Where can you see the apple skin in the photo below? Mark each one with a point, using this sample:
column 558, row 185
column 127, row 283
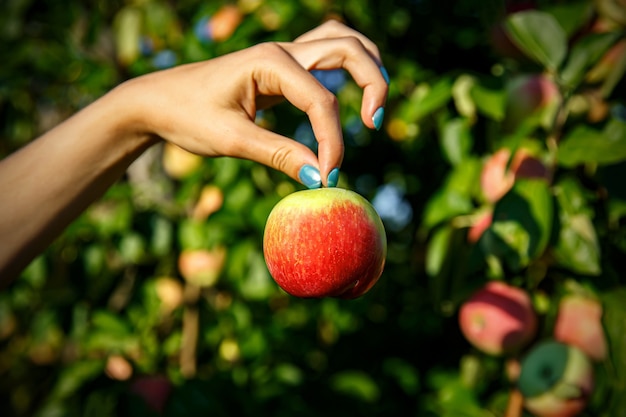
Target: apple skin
column 579, row 323
column 498, row 319
column 556, row 380
column 325, row 242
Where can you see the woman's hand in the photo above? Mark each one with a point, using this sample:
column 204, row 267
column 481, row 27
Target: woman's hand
column 209, row 107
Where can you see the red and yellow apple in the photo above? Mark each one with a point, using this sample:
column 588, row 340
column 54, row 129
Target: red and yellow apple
column 498, row 319
column 556, row 380
column 326, row 242
column 579, row 323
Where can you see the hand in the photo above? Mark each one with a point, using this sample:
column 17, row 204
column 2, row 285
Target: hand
column 209, row 107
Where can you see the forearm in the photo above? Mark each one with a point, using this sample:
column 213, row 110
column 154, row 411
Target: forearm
column 49, row 182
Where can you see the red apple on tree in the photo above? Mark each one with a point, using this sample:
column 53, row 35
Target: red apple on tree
column 579, row 323
column 327, row 242
column 556, row 380
column 498, row 319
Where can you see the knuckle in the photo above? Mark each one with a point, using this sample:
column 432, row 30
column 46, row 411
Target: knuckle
column 280, row 158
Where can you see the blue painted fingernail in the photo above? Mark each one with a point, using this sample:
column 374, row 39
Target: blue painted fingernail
column 310, row 176
column 377, row 118
column 333, row 177
column 383, row 70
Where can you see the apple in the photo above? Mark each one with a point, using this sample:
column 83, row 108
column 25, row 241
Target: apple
column 530, row 95
column 325, row 242
column 579, row 323
column 556, row 380
column 179, row 163
column 210, row 200
column 496, row 180
column 202, row 267
column 155, row 390
column 170, row 292
column 498, row 319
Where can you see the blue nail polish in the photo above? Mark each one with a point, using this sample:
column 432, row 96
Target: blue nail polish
column 383, row 70
column 310, row 176
column 377, row 118
column 333, row 177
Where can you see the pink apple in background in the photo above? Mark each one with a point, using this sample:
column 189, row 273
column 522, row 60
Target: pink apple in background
column 496, row 180
column 498, row 319
column 202, row 267
column 529, row 95
column 579, row 323
column 326, row 242
column 556, row 380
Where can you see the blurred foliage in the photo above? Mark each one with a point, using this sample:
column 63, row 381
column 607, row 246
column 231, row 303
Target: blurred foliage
column 111, row 304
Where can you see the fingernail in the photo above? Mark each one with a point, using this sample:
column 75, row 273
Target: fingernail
column 310, row 176
column 377, row 118
column 333, row 177
column 383, row 70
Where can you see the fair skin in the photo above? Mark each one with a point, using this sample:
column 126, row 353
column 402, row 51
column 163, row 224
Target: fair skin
column 207, row 108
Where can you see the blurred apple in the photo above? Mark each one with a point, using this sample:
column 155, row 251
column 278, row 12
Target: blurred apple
column 179, row 163
column 496, row 180
column 326, row 242
column 155, row 390
column 118, row 368
column 210, row 200
column 579, row 323
column 202, row 267
column 556, row 380
column 498, row 319
column 221, row 25
column 170, row 292
column 530, row 95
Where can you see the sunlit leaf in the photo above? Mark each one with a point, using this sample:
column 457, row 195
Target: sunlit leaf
column 586, row 52
column 357, row 384
column 586, row 144
column 577, row 247
column 539, row 35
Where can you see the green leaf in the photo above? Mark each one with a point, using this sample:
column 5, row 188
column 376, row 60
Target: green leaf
column 577, row 247
column 437, row 250
column 588, row 145
column 539, row 36
column 522, row 223
column 427, row 99
column 456, row 140
column 491, row 103
column 357, row 384
column 614, row 320
column 586, row 52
